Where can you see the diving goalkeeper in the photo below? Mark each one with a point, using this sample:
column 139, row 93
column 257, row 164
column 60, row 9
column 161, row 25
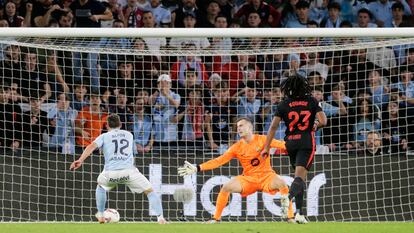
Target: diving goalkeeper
column 258, row 174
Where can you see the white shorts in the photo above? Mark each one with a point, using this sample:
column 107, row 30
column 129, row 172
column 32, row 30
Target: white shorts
column 132, row 178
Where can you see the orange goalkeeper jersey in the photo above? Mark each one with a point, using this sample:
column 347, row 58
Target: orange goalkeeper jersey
column 248, row 154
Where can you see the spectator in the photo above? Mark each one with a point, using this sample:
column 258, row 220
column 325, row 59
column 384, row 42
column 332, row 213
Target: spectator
column 188, row 7
column 336, row 112
column 269, row 109
column 294, row 64
column 253, row 20
column 12, row 17
column 178, row 70
column 79, row 99
column 394, row 130
column 164, row 104
column 123, row 78
column 115, row 8
column 288, row 12
column 209, row 88
column 89, row 13
column 32, row 81
column 147, row 67
column 90, row 121
column 10, row 120
column 154, row 43
column 382, row 11
column 333, row 20
column 121, row 107
column 372, row 145
column 378, row 88
column 43, row 11
column 249, row 105
column 315, row 79
column 54, row 76
column 213, row 10
column 65, row 20
column 62, row 118
column 364, row 17
column 302, row 12
column 318, row 11
column 313, row 64
column 11, row 65
column 195, row 121
column 161, row 14
column 223, row 114
column 274, row 66
column 398, row 18
column 221, row 44
column 269, row 16
column 142, row 127
column 34, row 124
column 382, row 57
column 132, row 14
column 189, row 21
column 366, row 121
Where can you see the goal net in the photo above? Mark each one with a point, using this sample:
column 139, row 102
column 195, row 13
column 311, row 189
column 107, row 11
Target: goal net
column 179, row 96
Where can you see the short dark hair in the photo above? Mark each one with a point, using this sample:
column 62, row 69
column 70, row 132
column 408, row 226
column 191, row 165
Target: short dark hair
column 334, row 5
column 397, row 5
column 318, row 88
column 113, row 121
column 366, row 11
column 302, row 4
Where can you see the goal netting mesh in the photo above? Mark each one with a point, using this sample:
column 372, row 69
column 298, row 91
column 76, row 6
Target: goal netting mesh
column 180, row 97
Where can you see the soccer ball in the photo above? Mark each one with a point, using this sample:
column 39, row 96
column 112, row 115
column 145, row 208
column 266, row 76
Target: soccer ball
column 111, row 216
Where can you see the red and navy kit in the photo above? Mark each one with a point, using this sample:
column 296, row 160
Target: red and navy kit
column 299, row 116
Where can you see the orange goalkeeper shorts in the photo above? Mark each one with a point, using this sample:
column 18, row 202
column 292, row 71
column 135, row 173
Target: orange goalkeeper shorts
column 252, row 184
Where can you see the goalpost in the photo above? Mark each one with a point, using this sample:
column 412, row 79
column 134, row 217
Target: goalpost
column 49, row 77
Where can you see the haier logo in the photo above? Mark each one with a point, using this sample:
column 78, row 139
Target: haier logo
column 235, row 206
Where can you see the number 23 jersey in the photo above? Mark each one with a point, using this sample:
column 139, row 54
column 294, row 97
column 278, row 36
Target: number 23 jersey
column 299, row 117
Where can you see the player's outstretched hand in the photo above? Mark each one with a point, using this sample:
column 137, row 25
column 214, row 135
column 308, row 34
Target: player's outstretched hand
column 75, row 165
column 187, row 169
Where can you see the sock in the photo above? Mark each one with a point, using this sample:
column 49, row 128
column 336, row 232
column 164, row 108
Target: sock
column 155, row 202
column 299, row 203
column 222, row 200
column 296, row 187
column 285, row 191
column 100, row 198
column 296, row 191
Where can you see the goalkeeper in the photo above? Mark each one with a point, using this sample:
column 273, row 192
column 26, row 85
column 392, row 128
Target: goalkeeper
column 258, row 174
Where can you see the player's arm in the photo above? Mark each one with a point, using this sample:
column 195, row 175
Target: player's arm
column 270, row 135
column 278, row 144
column 189, row 168
column 86, row 153
column 320, row 120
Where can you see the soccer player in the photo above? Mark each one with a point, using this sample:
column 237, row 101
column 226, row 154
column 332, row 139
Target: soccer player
column 119, row 167
column 302, row 116
column 258, row 174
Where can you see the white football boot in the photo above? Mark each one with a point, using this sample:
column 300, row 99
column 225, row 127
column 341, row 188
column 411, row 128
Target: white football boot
column 300, row 219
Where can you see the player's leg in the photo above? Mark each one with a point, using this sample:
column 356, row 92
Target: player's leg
column 102, row 188
column 277, row 183
column 155, row 202
column 138, row 183
column 304, row 160
column 233, row 186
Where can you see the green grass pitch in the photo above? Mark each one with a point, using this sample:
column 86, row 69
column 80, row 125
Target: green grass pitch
column 245, row 227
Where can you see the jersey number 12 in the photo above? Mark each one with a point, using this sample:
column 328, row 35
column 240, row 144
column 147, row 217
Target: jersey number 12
column 123, row 143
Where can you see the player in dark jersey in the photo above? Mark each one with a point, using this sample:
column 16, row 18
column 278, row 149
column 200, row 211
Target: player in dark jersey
column 302, row 116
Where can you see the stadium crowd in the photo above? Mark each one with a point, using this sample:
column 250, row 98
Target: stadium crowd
column 60, row 99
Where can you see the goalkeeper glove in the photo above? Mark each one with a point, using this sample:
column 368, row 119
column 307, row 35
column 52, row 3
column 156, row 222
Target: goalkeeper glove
column 187, row 169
